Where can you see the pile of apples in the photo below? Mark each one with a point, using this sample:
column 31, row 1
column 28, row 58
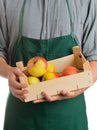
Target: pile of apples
column 39, row 70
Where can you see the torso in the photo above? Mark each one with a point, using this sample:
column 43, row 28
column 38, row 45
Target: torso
column 40, row 22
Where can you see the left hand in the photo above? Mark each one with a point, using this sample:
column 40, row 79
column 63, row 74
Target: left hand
column 63, row 95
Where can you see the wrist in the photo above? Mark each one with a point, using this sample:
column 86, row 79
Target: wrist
column 8, row 69
column 4, row 68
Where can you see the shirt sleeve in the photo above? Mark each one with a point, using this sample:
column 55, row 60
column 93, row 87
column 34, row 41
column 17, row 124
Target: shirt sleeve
column 89, row 37
column 3, row 32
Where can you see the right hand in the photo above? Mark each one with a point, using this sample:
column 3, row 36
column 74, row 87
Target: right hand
column 17, row 89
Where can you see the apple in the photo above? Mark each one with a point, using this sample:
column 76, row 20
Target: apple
column 50, row 67
column 32, row 80
column 69, row 71
column 49, row 76
column 25, row 71
column 37, row 66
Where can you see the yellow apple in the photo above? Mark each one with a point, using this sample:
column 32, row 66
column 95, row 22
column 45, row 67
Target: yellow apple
column 37, row 66
column 32, row 80
column 49, row 76
column 50, row 67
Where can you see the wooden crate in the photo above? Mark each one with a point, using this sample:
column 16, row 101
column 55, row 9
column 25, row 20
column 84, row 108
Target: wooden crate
column 72, row 82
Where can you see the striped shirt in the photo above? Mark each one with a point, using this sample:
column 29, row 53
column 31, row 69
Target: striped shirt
column 45, row 19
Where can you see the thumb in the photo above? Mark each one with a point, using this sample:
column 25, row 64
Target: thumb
column 19, row 72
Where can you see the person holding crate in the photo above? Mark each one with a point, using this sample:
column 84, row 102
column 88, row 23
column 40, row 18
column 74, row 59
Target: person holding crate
column 49, row 28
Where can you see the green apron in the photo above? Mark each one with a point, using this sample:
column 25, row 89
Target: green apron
column 69, row 114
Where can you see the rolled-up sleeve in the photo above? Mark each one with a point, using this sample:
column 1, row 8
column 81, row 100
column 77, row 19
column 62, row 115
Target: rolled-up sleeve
column 89, row 37
column 3, row 32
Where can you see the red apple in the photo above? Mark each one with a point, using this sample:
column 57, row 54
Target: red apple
column 25, row 71
column 69, row 71
column 37, row 66
column 49, row 76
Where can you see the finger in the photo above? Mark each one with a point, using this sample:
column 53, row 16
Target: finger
column 68, row 93
column 79, row 91
column 52, row 98
column 39, row 101
column 22, row 98
column 13, row 83
column 20, row 85
column 18, row 72
column 46, row 96
column 18, row 88
column 63, row 92
column 18, row 93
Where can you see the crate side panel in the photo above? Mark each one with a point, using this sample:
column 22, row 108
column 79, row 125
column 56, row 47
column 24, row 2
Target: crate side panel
column 53, row 87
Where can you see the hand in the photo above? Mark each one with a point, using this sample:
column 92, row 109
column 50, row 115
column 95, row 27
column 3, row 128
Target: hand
column 63, row 95
column 18, row 89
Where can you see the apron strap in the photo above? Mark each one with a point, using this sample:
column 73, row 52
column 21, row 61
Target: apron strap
column 71, row 19
column 16, row 45
column 21, row 21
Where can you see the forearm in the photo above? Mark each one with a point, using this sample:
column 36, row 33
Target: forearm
column 4, row 68
column 93, row 65
column 13, row 74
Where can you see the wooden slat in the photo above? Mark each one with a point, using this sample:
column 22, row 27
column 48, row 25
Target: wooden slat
column 23, row 79
column 22, row 68
column 20, row 65
column 78, row 57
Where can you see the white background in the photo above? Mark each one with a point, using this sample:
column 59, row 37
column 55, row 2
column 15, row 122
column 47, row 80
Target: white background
column 90, row 95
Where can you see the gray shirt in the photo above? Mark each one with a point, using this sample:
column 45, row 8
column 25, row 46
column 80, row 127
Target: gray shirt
column 45, row 19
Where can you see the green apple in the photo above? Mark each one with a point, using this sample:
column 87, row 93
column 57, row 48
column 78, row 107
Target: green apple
column 32, row 80
column 49, row 76
column 37, row 66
